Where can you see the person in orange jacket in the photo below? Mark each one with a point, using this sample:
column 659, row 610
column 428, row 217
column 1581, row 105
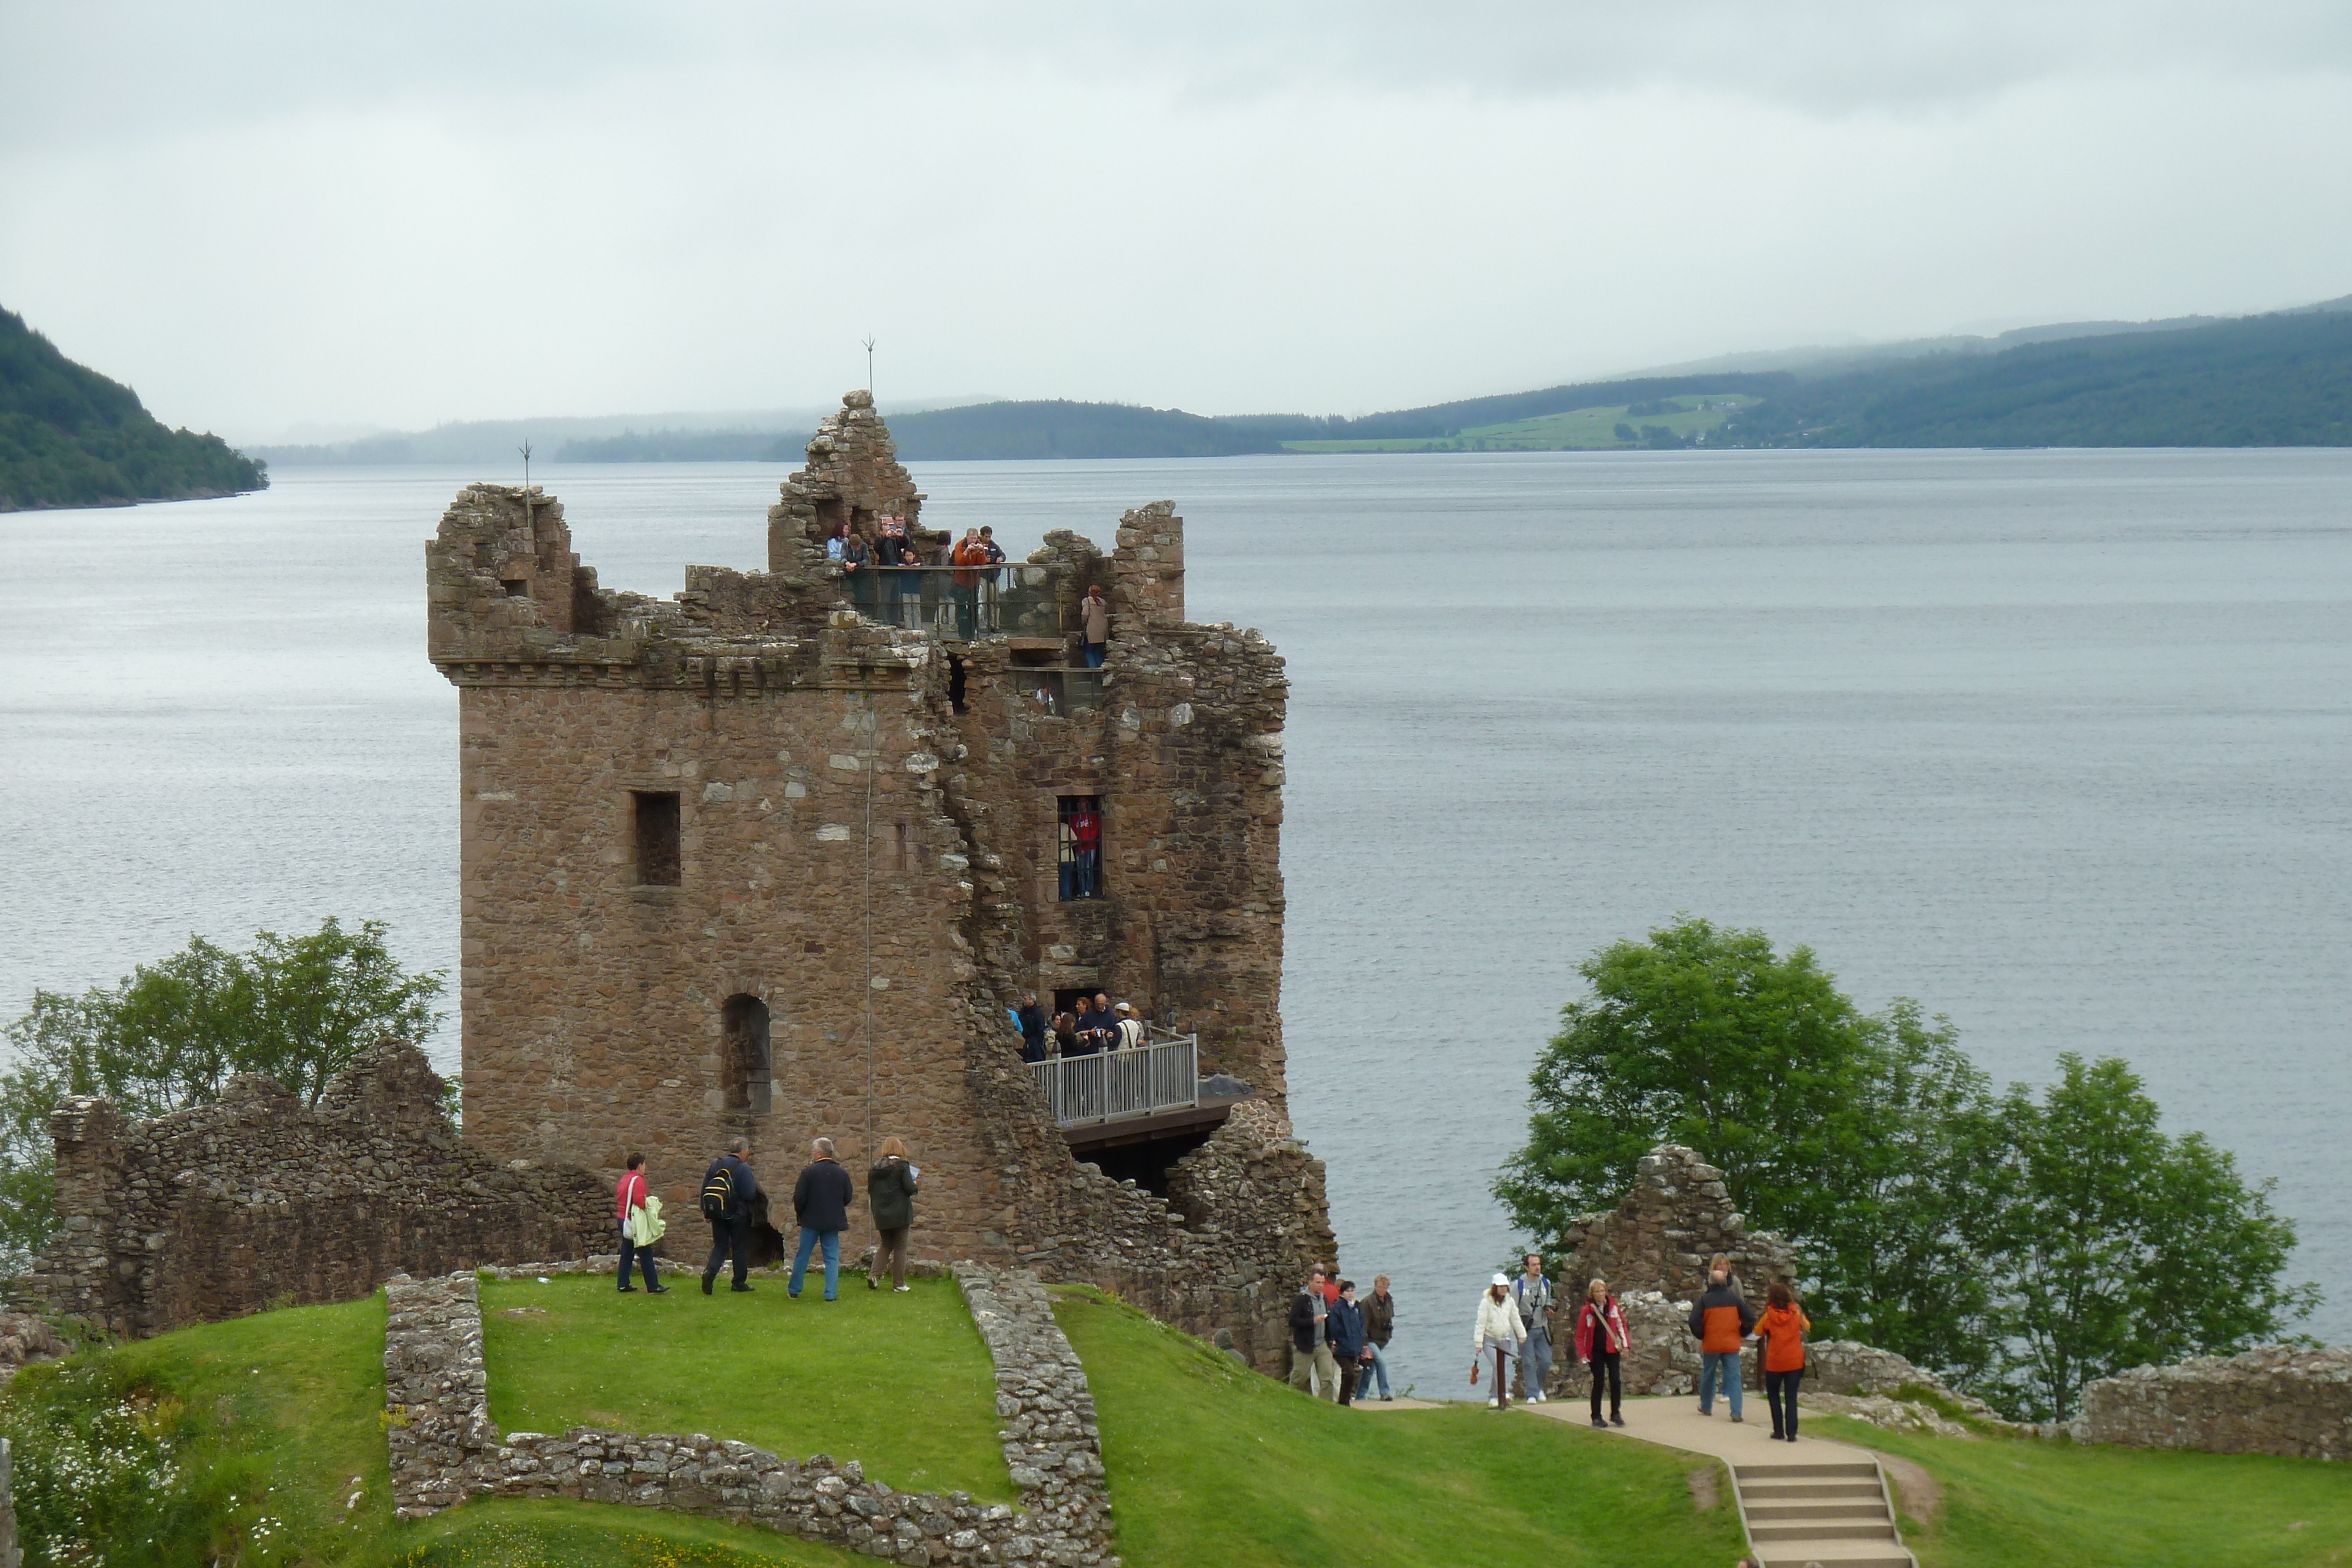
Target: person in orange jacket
column 1781, row 1334
column 1720, row 1321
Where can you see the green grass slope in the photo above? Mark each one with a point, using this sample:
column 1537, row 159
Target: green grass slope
column 2009, row 1501
column 1213, row 1466
column 70, row 437
column 901, row 1384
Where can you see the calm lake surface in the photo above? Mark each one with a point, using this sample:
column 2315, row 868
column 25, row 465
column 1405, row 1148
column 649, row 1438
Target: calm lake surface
column 2057, row 743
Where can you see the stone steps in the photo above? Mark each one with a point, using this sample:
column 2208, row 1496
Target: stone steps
column 1830, row 1511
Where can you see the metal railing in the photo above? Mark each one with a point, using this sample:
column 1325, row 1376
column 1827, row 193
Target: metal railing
column 961, row 602
column 1113, row 1085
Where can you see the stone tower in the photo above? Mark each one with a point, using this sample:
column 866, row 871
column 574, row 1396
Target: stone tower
column 775, row 857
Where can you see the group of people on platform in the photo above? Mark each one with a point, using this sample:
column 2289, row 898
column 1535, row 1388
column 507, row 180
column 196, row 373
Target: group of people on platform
column 1097, row 1025
column 1514, row 1320
column 822, row 1195
column 960, row 585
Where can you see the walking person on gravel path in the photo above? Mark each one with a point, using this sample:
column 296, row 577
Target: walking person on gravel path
column 1531, row 1294
column 1498, row 1331
column 729, row 1188
column 1781, row 1333
column 821, row 1201
column 1601, row 1340
column 1311, row 1366
column 635, row 1200
column 1347, row 1328
column 891, row 1196
column 1380, row 1323
column 1720, row 1321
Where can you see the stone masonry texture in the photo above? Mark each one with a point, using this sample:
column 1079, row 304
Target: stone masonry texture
column 866, row 865
column 445, row 1449
column 258, row 1200
column 2272, row 1400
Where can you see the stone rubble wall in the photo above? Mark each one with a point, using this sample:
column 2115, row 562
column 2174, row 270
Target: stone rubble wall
column 2275, row 1399
column 1660, row 1236
column 26, row 1338
column 258, row 1200
column 445, row 1449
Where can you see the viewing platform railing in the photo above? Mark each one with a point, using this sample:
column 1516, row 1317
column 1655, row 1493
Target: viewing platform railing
column 1114, row 1085
column 1021, row 602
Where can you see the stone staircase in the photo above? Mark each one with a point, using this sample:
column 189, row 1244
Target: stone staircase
column 1833, row 1510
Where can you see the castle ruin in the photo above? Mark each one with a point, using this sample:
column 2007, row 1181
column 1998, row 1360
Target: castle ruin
column 775, row 858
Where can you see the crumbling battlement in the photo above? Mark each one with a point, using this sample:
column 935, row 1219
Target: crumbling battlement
column 257, row 1201
column 755, row 862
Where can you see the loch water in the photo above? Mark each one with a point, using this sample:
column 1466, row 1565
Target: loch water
column 2057, row 743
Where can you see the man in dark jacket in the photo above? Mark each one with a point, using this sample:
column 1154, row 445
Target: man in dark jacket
column 728, row 1188
column 1347, row 1329
column 1032, row 1018
column 1380, row 1323
column 1311, row 1366
column 1719, row 1321
column 1084, row 1022
column 821, row 1201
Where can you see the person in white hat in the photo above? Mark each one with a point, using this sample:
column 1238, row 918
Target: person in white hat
column 1498, row 1331
column 1130, row 1028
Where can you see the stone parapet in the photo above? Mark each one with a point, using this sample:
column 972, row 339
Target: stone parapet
column 2277, row 1399
column 445, row 1449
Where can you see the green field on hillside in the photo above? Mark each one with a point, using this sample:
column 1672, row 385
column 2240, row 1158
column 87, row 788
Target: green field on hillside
column 1213, row 1466
column 1578, row 429
column 2008, row 1501
column 902, row 1383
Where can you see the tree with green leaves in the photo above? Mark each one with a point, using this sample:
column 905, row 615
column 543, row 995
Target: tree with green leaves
column 2109, row 1245
column 173, row 1033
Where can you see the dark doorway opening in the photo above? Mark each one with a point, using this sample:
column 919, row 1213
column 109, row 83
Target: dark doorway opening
column 956, row 683
column 657, row 825
column 745, row 1082
column 1146, row 1165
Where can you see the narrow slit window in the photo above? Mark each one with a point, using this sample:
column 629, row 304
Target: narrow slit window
column 656, row 824
column 1081, row 836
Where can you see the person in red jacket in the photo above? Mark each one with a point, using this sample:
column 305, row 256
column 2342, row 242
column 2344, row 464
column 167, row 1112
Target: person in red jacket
column 1600, row 1341
column 1719, row 1321
column 1781, row 1333
column 629, row 1194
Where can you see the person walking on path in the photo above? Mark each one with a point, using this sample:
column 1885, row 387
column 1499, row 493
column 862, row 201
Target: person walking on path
column 1094, row 619
column 1600, row 1341
column 821, row 1201
column 1782, row 1333
column 1531, row 1294
column 1380, row 1323
column 1498, row 1331
column 1347, row 1325
column 1033, row 1021
column 891, row 1196
column 1311, row 1366
column 729, row 1188
column 631, row 1195
column 1720, row 1321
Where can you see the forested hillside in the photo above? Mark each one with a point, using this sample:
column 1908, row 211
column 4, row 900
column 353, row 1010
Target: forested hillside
column 70, row 437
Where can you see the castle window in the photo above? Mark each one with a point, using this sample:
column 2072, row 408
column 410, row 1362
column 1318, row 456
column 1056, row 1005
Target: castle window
column 1081, row 835
column 656, row 824
column 516, row 587
column 956, row 686
column 743, row 1070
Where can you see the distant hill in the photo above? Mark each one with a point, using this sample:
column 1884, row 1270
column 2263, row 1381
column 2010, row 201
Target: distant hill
column 70, row 437
column 1057, row 429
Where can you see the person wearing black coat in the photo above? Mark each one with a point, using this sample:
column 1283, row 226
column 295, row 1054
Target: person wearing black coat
column 1345, row 1327
column 891, row 1195
column 821, row 1201
column 730, row 1225
column 1033, row 1028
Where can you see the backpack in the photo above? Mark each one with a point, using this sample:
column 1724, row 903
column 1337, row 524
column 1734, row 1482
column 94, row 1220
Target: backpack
column 717, row 1192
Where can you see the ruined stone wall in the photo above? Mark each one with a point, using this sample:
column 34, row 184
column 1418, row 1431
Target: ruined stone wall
column 2273, row 1400
column 258, row 1200
column 879, row 871
column 1676, row 1216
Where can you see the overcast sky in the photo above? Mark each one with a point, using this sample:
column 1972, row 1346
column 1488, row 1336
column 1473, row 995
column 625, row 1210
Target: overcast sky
column 267, row 216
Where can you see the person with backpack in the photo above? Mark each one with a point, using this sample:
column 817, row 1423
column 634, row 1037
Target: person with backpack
column 729, row 1188
column 1720, row 1321
column 1600, row 1341
column 1781, row 1334
column 640, row 1213
column 890, row 1197
column 1531, row 1294
column 821, row 1201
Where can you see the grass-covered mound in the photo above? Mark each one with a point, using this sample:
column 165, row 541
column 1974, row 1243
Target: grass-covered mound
column 1211, row 1466
column 901, row 1384
column 2006, row 1501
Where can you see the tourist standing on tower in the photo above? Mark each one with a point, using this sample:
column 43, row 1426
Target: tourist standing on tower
column 1094, row 627
column 821, row 1201
column 1032, row 1018
column 890, row 1197
column 729, row 1188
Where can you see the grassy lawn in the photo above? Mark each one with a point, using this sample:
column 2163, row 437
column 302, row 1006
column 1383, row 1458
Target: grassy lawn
column 1215, row 1466
column 901, row 1384
column 2010, row 1500
column 553, row 1534
column 1583, row 429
